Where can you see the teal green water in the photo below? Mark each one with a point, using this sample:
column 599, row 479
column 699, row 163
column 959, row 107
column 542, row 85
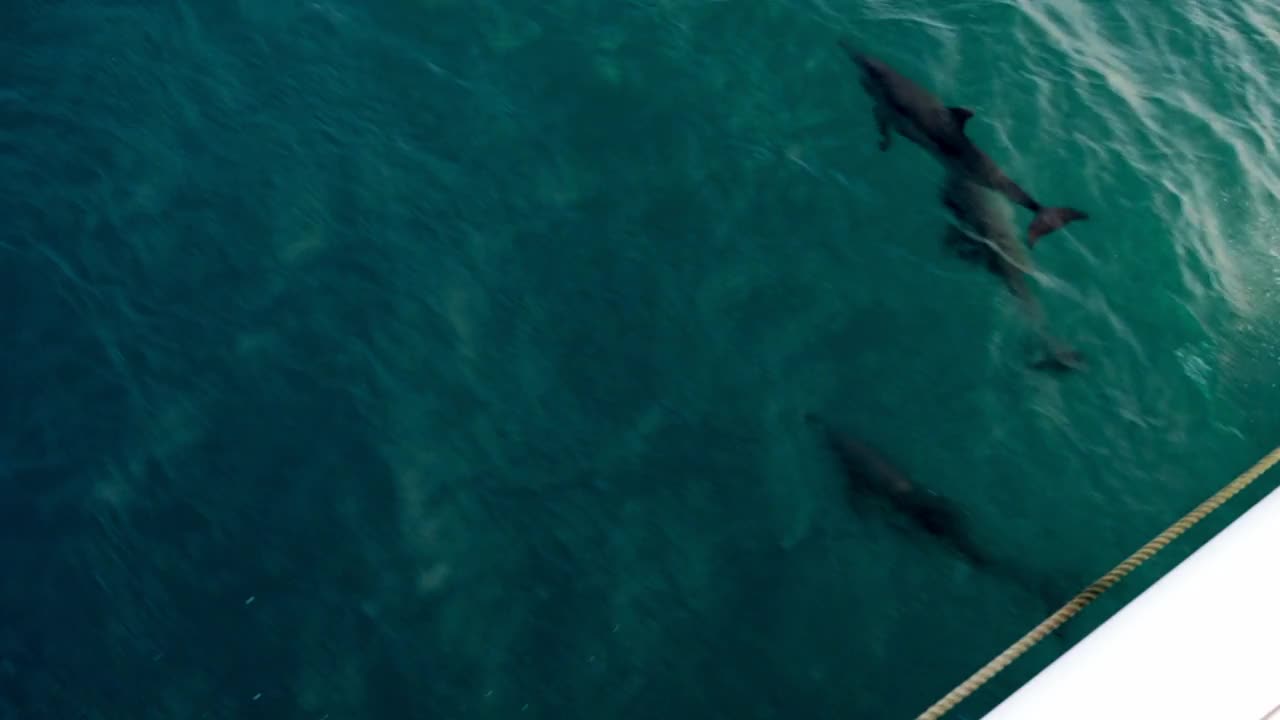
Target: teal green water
column 448, row 359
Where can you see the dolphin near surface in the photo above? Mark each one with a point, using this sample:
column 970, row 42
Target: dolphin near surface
column 986, row 235
column 905, row 106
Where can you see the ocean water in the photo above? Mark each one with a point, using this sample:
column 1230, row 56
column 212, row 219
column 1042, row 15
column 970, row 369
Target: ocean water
column 448, row 359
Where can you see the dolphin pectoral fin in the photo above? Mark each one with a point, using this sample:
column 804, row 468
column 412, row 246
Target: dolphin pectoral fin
column 960, row 116
column 882, row 124
column 960, row 244
column 1049, row 219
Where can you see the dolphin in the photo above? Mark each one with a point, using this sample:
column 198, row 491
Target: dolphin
column 871, row 476
column 986, row 235
column 903, row 105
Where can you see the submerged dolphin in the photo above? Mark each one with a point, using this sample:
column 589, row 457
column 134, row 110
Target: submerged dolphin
column 903, row 105
column 870, row 476
column 987, row 236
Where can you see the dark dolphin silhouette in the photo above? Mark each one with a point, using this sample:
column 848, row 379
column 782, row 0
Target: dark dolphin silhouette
column 903, row 105
column 871, row 477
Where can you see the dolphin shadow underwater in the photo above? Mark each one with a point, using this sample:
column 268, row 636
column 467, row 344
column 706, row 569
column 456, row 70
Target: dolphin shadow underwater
column 871, row 478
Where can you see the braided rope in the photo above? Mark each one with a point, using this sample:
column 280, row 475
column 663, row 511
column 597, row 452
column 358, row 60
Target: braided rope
column 1099, row 586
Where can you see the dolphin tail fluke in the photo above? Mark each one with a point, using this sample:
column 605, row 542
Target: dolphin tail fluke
column 1051, row 218
column 1060, row 360
column 1052, row 598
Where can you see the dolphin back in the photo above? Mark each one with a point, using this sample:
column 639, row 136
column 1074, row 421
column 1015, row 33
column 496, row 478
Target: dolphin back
column 867, row 471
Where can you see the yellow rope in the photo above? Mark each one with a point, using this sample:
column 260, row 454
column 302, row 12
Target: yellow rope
column 1099, row 586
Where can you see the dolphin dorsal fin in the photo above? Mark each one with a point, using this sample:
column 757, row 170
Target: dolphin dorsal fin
column 960, row 116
